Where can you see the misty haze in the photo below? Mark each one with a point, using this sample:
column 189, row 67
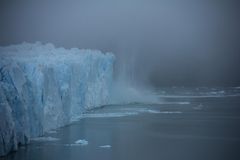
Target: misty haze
column 129, row 79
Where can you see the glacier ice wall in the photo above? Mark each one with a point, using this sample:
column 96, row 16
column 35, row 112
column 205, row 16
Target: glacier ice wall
column 43, row 87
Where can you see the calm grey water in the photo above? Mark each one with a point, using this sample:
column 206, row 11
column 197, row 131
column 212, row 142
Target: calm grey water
column 188, row 124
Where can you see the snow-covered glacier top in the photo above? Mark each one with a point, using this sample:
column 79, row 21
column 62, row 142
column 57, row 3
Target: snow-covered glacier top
column 43, row 87
column 39, row 52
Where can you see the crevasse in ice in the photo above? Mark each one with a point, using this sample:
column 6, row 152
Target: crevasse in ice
column 43, row 87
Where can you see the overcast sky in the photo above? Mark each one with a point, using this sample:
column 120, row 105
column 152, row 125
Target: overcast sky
column 160, row 42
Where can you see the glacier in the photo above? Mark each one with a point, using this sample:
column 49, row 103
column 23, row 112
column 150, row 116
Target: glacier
column 43, row 87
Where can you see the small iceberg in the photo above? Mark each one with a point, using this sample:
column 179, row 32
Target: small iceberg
column 170, row 112
column 82, row 142
column 105, row 146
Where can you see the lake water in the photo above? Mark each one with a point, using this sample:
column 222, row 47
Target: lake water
column 186, row 124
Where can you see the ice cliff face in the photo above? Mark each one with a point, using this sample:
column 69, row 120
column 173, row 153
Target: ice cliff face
column 43, row 87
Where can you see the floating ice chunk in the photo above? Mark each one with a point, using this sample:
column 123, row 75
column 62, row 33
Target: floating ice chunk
column 125, row 112
column 104, row 115
column 181, row 103
column 72, row 145
column 162, row 112
column 157, row 112
column 170, row 112
column 105, row 146
column 153, row 111
column 144, row 110
column 44, row 139
column 82, row 142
